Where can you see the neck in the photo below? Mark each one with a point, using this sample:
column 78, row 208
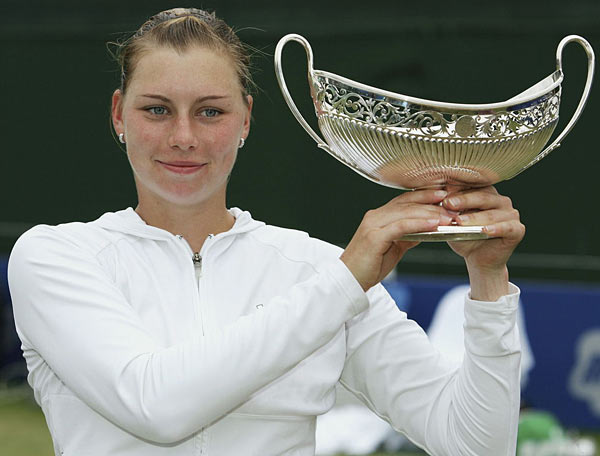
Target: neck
column 195, row 223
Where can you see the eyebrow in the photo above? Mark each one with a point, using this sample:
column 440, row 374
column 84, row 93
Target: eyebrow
column 198, row 100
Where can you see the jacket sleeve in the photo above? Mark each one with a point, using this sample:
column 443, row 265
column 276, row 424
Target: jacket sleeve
column 73, row 315
column 471, row 410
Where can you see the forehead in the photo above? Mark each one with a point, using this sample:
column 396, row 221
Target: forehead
column 196, row 68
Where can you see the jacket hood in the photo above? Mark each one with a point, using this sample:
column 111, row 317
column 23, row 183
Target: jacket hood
column 128, row 221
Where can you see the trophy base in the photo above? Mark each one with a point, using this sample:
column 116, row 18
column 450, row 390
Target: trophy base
column 448, row 234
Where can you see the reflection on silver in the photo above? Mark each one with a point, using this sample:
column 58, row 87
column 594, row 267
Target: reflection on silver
column 408, row 143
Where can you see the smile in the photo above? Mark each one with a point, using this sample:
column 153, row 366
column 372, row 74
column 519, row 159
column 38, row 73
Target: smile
column 182, row 167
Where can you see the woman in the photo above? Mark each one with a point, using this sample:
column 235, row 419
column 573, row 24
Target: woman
column 182, row 327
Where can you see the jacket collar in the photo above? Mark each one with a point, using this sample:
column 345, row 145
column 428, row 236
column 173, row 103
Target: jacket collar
column 128, row 221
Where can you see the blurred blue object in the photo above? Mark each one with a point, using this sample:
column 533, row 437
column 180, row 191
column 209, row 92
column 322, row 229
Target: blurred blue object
column 12, row 365
column 563, row 324
column 400, row 292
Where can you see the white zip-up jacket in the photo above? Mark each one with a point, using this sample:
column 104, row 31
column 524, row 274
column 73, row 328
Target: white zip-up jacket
column 133, row 348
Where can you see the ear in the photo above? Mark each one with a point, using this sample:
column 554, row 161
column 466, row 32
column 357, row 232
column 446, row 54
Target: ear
column 246, row 128
column 116, row 111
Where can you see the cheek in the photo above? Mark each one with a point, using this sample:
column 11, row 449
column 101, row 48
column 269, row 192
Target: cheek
column 139, row 129
column 230, row 146
column 141, row 145
column 222, row 140
column 146, row 134
column 231, row 158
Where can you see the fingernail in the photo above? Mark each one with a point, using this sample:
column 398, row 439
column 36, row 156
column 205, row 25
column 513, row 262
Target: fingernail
column 454, row 201
column 441, row 193
column 489, row 229
column 445, row 219
column 433, row 221
column 463, row 218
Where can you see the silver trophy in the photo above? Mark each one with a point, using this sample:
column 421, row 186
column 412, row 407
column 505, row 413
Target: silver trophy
column 410, row 143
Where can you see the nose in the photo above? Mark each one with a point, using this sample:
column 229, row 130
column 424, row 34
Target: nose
column 182, row 135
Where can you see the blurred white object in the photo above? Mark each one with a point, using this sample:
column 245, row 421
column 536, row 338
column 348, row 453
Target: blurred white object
column 352, row 429
column 447, row 334
column 559, row 447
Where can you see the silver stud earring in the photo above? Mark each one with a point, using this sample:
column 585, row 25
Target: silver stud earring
column 242, row 142
column 122, row 138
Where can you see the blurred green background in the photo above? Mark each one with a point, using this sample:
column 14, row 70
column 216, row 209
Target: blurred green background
column 60, row 162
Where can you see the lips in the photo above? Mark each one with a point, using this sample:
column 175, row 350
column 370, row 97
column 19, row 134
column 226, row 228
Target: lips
column 182, row 167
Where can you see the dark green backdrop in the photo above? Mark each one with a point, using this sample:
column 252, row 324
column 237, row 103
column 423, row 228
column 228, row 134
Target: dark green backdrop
column 60, row 162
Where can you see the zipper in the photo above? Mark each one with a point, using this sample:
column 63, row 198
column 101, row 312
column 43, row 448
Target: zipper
column 200, row 439
column 197, row 260
column 197, row 275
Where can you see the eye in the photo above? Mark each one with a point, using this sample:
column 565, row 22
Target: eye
column 157, row 110
column 210, row 112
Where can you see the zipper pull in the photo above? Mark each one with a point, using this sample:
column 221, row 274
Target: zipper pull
column 197, row 259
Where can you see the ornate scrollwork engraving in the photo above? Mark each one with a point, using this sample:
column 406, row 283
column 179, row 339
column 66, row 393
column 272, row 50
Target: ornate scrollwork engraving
column 333, row 97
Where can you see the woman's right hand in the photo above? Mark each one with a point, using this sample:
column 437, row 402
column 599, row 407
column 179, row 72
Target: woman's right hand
column 375, row 248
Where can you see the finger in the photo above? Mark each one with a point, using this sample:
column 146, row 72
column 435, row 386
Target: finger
column 511, row 230
column 385, row 215
column 425, row 196
column 452, row 188
column 476, row 199
column 406, row 245
column 457, row 189
column 395, row 231
column 488, row 217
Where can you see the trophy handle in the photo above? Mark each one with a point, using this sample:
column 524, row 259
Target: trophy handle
column 584, row 96
column 286, row 94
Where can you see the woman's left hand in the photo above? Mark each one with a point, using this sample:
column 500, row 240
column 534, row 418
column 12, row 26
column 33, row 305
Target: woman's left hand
column 486, row 259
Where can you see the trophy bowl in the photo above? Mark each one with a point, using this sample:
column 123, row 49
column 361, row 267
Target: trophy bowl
column 411, row 143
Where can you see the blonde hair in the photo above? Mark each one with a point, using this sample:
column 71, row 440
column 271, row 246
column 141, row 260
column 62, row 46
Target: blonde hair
column 180, row 29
